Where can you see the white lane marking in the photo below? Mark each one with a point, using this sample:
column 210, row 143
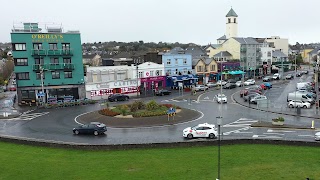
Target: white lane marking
column 264, row 136
column 236, row 131
column 27, row 117
column 284, row 131
column 275, row 133
column 206, row 98
column 306, row 135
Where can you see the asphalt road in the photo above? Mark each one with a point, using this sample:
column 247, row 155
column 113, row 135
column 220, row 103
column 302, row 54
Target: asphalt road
column 57, row 124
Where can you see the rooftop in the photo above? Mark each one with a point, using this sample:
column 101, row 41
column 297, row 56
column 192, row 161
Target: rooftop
column 40, row 28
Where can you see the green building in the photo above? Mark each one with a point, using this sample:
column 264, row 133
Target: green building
column 48, row 63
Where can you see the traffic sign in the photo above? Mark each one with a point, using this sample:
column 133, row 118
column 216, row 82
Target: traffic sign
column 41, row 94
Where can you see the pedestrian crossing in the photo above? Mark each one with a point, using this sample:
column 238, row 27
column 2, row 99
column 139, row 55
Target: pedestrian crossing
column 27, row 117
column 239, row 126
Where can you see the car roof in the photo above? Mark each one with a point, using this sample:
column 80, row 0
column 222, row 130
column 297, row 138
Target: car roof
column 206, row 124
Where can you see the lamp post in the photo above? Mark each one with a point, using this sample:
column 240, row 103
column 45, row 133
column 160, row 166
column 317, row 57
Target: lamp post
column 219, row 122
column 137, row 80
column 42, row 88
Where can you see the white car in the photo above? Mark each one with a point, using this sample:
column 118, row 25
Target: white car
column 211, row 84
column 317, row 136
column 255, row 99
column 221, row 98
column 219, row 83
column 297, row 103
column 201, row 88
column 201, row 130
column 249, row 82
column 276, row 76
column 239, row 83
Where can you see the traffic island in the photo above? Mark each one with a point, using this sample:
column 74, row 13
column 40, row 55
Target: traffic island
column 271, row 125
column 185, row 115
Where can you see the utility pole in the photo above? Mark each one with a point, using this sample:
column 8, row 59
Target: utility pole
column 42, row 88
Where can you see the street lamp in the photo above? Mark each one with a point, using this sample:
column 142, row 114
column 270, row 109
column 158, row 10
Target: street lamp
column 219, row 122
column 42, row 88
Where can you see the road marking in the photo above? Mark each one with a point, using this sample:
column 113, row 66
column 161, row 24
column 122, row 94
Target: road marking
column 264, row 136
column 271, row 130
column 275, row 133
column 306, row 135
column 27, row 117
column 206, row 97
column 236, row 131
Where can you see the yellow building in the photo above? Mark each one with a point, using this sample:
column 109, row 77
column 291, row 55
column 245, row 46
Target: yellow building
column 206, row 70
column 305, row 55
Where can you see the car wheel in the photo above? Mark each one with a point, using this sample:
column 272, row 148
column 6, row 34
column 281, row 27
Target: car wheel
column 96, row 133
column 189, row 136
column 115, row 100
column 76, row 132
column 212, row 136
column 305, row 106
column 291, row 106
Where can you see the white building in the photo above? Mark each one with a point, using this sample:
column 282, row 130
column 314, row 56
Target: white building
column 231, row 24
column 102, row 81
column 266, row 56
column 279, row 44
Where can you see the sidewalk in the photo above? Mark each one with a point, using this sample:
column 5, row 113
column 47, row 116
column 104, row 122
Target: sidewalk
column 7, row 109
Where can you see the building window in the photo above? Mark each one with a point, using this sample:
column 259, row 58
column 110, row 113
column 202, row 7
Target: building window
column 235, row 20
column 140, row 74
column 21, row 62
column 55, row 75
column 54, row 60
column 23, row 76
column 53, row 46
column 269, row 54
column 39, row 61
column 151, row 73
column 229, row 20
column 19, row 47
column 176, row 71
column 67, row 60
column 160, row 73
column 185, row 71
column 213, row 68
column 38, row 76
column 67, row 74
column 199, row 68
column 169, row 62
column 65, row 46
column 177, row 61
column 37, row 46
column 184, row 61
column 169, row 72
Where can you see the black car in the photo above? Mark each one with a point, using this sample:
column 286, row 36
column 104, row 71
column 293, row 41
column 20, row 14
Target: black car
column 249, row 96
column 118, row 97
column 231, row 81
column 163, row 92
column 94, row 128
column 229, row 86
column 305, row 72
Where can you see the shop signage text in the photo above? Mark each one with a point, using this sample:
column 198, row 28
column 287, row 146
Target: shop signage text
column 125, row 83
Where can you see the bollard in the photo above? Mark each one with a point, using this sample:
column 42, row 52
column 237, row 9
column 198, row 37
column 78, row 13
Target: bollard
column 312, row 124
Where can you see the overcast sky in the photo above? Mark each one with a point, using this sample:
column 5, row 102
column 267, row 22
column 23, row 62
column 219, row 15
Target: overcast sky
column 197, row 21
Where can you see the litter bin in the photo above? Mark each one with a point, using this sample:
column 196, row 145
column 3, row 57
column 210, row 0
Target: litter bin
column 298, row 110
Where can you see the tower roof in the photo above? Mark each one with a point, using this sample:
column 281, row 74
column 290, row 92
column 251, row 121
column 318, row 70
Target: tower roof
column 231, row 13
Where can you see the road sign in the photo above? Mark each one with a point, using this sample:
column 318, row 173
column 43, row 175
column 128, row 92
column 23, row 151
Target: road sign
column 41, row 94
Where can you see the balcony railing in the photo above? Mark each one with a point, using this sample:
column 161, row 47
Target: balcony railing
column 243, row 59
column 39, row 52
column 60, row 52
column 243, row 49
column 59, row 66
column 258, row 49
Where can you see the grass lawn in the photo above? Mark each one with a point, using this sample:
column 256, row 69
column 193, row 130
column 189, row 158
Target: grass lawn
column 237, row 162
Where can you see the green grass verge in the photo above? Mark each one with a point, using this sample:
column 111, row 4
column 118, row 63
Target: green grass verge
column 237, row 162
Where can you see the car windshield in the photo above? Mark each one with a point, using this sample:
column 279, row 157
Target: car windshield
column 221, row 96
column 195, row 127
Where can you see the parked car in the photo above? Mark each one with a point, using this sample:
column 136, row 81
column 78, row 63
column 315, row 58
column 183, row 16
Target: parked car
column 255, row 99
column 229, row 86
column 289, row 76
column 201, row 88
column 221, row 98
column 297, row 103
column 162, row 92
column 211, row 84
column 12, row 88
column 255, row 87
column 298, row 74
column 239, row 83
column 276, row 76
column 219, row 83
column 267, row 79
column 201, row 130
column 231, row 81
column 118, row 97
column 249, row 96
column 304, row 71
column 249, row 82
column 94, row 128
column 268, row 85
column 317, row 136
column 245, row 92
column 263, row 86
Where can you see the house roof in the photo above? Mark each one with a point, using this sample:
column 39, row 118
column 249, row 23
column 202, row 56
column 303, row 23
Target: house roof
column 195, row 51
column 205, row 60
column 222, row 54
column 88, row 56
column 123, row 55
column 247, row 40
column 224, row 37
column 231, row 13
column 278, row 54
column 260, row 40
column 315, row 51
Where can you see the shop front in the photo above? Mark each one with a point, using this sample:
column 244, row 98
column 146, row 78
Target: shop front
column 151, row 84
column 103, row 90
column 187, row 81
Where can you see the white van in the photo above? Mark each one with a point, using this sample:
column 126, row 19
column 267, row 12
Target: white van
column 300, row 97
column 302, row 85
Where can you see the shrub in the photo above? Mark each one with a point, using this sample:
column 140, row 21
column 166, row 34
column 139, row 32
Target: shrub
column 279, row 119
column 149, row 113
column 171, row 105
column 152, row 105
column 137, row 105
column 108, row 112
column 123, row 109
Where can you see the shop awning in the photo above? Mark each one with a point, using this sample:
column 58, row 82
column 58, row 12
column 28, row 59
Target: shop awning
column 236, row 72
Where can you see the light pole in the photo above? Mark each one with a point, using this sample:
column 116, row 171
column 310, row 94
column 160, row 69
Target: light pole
column 42, row 88
column 219, row 122
column 137, row 79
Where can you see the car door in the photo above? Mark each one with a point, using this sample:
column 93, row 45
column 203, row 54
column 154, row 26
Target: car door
column 200, row 132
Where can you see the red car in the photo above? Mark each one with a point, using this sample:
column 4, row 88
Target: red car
column 12, row 88
column 245, row 92
column 264, row 87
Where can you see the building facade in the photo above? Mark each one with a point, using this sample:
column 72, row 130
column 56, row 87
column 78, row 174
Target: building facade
column 48, row 64
column 231, row 24
column 106, row 80
column 205, row 69
column 278, row 43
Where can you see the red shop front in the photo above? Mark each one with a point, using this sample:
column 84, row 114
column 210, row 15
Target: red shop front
column 151, row 84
